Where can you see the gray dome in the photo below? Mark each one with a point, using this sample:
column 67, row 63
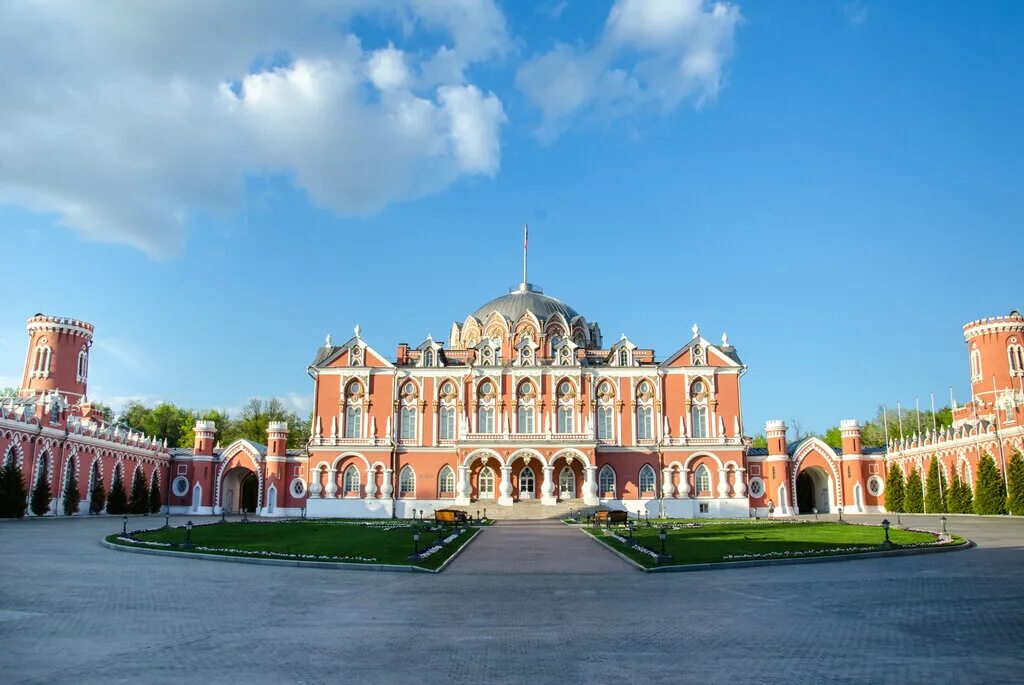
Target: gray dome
column 526, row 297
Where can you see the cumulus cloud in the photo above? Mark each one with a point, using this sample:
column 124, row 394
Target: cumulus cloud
column 652, row 53
column 124, row 119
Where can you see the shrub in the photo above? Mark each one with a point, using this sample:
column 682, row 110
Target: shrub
column 894, row 489
column 71, row 495
column 154, row 497
column 13, row 495
column 97, row 496
column 913, row 499
column 138, row 503
column 933, row 503
column 1015, row 478
column 989, row 489
column 39, row 503
column 117, row 502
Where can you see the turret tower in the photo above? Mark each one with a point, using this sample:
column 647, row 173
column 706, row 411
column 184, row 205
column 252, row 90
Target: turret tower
column 58, row 357
column 995, row 348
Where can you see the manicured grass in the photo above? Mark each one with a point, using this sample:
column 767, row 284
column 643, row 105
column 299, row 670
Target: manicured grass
column 383, row 542
column 713, row 542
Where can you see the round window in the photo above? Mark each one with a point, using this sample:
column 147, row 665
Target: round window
column 353, row 387
column 298, row 487
column 756, row 486
column 446, row 388
column 180, row 486
column 564, row 388
column 698, row 387
column 876, row 485
column 485, row 388
column 644, row 387
column 604, row 389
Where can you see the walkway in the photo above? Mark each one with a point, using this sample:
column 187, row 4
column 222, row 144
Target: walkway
column 536, row 547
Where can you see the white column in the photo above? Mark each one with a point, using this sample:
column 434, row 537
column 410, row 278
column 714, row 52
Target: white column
column 387, row 487
column 332, row 482
column 371, row 483
column 505, row 487
column 314, row 484
column 668, row 488
column 462, row 486
column 723, row 483
column 684, row 483
column 590, row 497
column 740, row 486
column 547, row 488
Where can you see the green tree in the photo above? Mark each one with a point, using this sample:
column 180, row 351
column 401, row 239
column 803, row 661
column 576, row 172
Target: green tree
column 933, row 503
column 833, row 437
column 1015, row 479
column 913, row 499
column 39, row 502
column 187, row 436
column 760, row 441
column 154, row 495
column 8, row 392
column 256, row 416
column 989, row 489
column 13, row 495
column 138, row 501
column 71, row 496
column 117, row 502
column 873, row 430
column 98, row 495
column 894, row 490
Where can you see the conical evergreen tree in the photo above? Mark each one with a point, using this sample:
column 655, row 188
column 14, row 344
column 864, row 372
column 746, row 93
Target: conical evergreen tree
column 989, row 490
column 154, row 496
column 953, row 496
column 944, row 490
column 117, row 502
column 39, row 503
column 894, row 489
column 98, row 495
column 1015, row 479
column 138, row 502
column 933, row 490
column 13, row 495
column 966, row 498
column 913, row 499
column 71, row 495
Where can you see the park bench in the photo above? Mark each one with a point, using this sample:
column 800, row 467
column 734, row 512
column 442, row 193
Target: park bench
column 608, row 517
column 450, row 516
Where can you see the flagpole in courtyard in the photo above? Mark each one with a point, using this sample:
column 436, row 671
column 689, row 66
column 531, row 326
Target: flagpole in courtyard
column 935, row 430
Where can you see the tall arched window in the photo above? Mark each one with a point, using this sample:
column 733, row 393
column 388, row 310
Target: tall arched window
column 41, row 360
column 353, row 410
column 485, row 483
column 1016, row 356
column 623, row 357
column 976, row 364
column 83, row 365
column 699, row 409
column 645, row 410
column 428, row 358
column 606, row 481
column 486, row 396
column 350, row 482
column 647, row 479
column 527, row 482
column 408, row 413
column 605, row 411
column 566, row 484
column 446, row 413
column 406, row 481
column 565, row 414
column 526, row 413
column 702, row 481
column 446, row 482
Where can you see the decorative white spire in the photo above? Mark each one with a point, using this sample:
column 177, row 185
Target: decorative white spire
column 696, row 330
column 357, row 329
column 327, row 341
column 725, row 338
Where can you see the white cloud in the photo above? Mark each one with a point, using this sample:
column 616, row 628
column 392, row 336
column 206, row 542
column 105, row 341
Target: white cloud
column 652, row 53
column 126, row 119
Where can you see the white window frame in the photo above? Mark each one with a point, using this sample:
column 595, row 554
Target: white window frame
column 349, row 478
column 407, row 481
column 446, row 478
column 702, row 476
column 647, row 472
column 485, row 473
column 606, row 474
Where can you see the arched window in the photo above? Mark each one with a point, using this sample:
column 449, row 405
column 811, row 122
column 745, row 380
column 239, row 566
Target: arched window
column 565, row 415
column 446, row 421
column 526, row 412
column 623, row 357
column 526, row 483
column 406, row 481
column 976, row 364
column 566, row 483
column 350, row 482
column 524, row 419
column 446, row 481
column 355, row 356
column 647, row 479
column 605, row 423
column 485, row 483
column 644, row 423
column 606, row 482
column 698, row 410
column 41, row 360
column 485, row 410
column 353, row 410
column 703, row 480
column 428, row 358
column 1016, row 356
column 408, row 420
column 83, row 366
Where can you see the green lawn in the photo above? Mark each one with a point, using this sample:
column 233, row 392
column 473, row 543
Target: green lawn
column 341, row 541
column 731, row 541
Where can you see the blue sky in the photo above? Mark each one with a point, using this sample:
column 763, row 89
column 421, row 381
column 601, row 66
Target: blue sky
column 835, row 184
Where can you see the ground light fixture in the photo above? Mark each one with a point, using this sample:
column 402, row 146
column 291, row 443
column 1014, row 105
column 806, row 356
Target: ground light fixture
column 840, row 514
column 943, row 519
column 885, row 527
column 815, row 510
column 124, row 529
column 415, row 541
column 188, row 536
column 245, row 515
column 222, row 515
column 167, row 520
column 629, row 527
column 663, row 535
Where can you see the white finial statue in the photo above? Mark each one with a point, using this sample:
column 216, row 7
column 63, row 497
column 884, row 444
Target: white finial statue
column 327, row 341
column 725, row 338
column 357, row 329
column 696, row 330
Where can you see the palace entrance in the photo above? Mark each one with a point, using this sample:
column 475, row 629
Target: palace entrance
column 813, row 491
column 239, row 491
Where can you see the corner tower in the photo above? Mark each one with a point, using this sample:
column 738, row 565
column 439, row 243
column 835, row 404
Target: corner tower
column 995, row 348
column 58, row 357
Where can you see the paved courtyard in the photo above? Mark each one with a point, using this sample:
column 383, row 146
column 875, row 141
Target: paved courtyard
column 523, row 604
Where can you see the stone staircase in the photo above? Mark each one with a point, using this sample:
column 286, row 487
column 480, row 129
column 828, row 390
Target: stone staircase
column 528, row 509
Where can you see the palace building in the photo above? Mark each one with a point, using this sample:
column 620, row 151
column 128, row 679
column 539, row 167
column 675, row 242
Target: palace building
column 524, row 411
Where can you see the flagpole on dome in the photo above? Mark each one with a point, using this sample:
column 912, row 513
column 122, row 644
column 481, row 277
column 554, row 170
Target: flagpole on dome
column 526, row 243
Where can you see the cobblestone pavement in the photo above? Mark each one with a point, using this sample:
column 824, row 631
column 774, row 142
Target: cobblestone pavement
column 73, row 611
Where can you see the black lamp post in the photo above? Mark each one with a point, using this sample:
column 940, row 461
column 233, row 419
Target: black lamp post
column 188, row 536
column 885, row 526
column 840, row 514
column 629, row 527
column 167, row 520
column 245, row 514
column 485, row 513
column 815, row 510
column 478, row 516
column 663, row 535
column 416, row 541
column 943, row 518
column 222, row 515
column 124, row 528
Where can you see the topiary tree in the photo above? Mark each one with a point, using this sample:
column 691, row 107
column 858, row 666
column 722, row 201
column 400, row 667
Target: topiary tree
column 933, row 503
column 1015, row 479
column 13, row 494
column 39, row 502
column 894, row 490
column 138, row 502
column 913, row 498
column 154, row 495
column 989, row 489
column 97, row 496
column 117, row 502
column 71, row 496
